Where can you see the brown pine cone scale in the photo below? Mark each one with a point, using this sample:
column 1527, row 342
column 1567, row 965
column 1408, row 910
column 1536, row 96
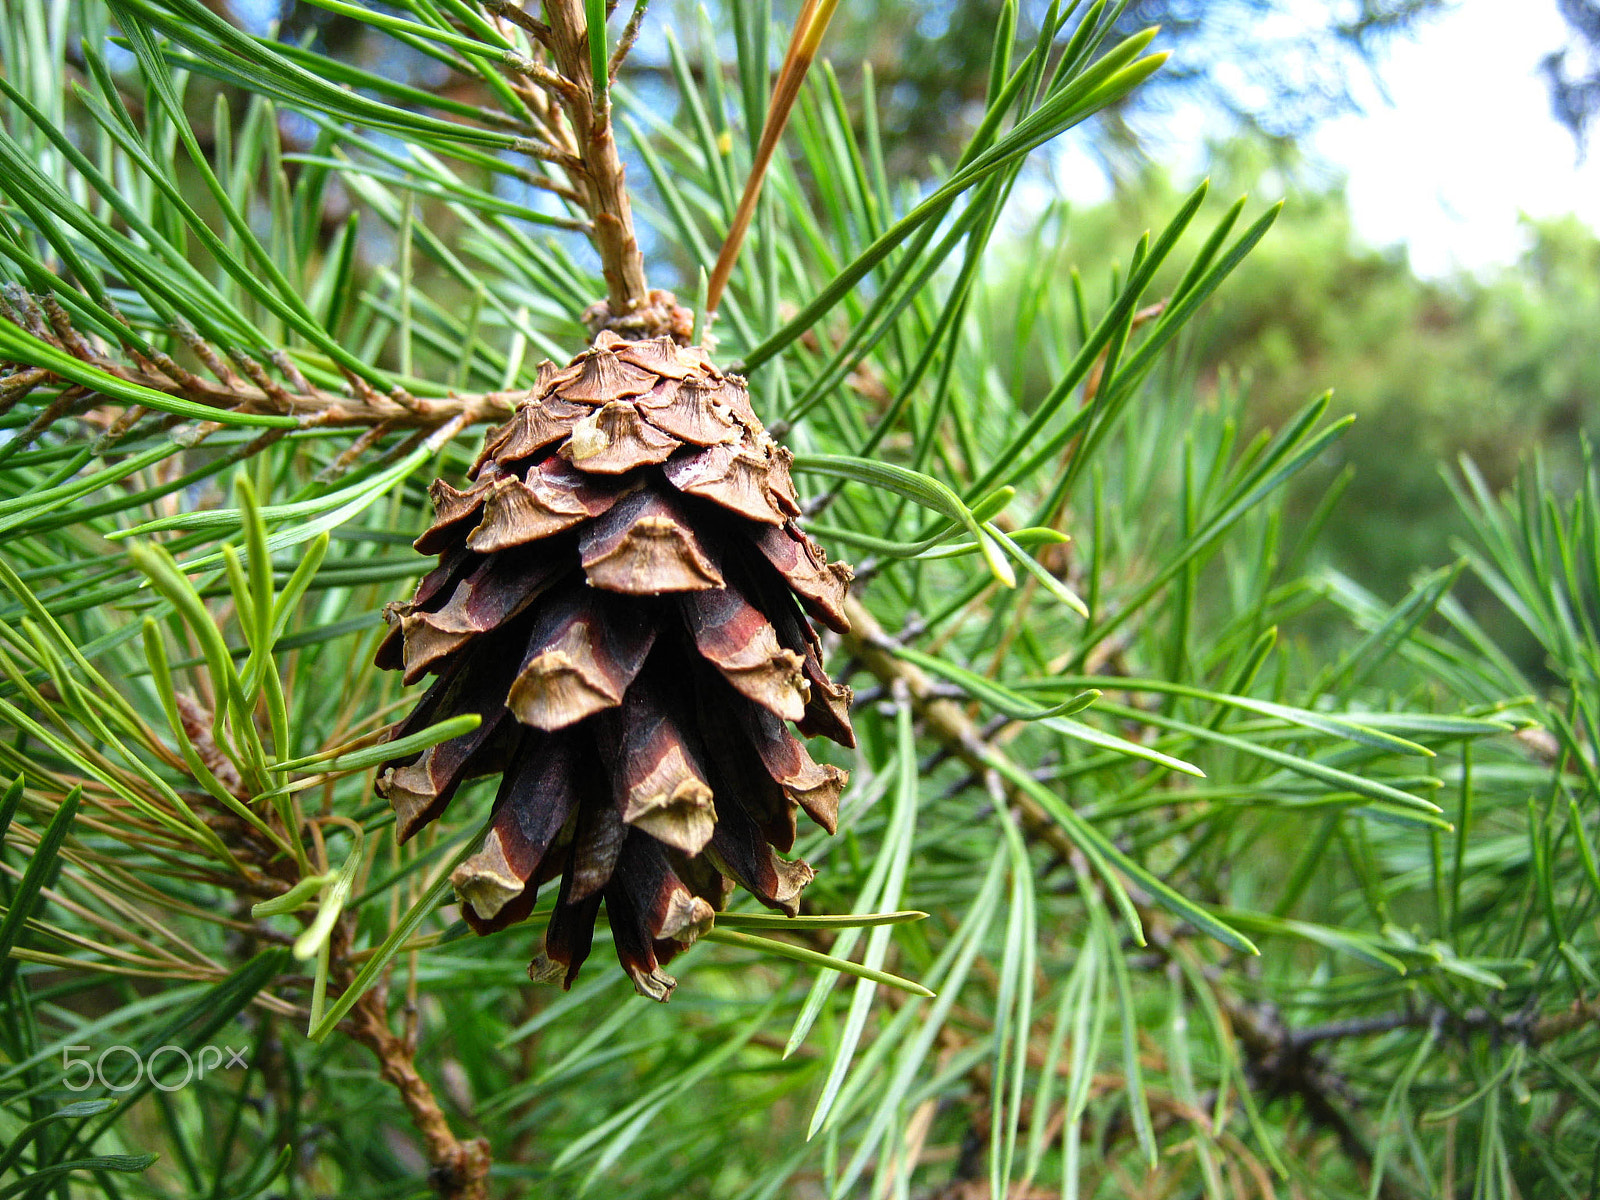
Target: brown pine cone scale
column 624, row 597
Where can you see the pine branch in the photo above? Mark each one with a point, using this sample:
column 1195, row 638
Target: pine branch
column 600, row 178
column 1277, row 1066
column 1531, row 1029
column 360, row 407
column 459, row 1168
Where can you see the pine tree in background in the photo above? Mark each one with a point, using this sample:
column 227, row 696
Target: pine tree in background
column 1137, row 893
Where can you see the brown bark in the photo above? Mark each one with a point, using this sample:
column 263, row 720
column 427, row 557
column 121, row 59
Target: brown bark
column 601, row 182
column 460, row 1169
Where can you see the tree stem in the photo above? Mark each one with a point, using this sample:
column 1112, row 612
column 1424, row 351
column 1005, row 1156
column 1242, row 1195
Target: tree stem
column 460, row 1168
column 600, row 182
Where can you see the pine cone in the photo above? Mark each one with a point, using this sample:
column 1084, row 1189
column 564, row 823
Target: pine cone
column 622, row 596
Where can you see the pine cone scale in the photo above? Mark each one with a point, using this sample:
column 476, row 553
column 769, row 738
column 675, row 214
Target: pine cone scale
column 533, row 830
column 597, row 841
column 658, row 778
column 483, row 601
column 614, row 440
column 535, row 425
column 525, row 828
column 695, row 415
column 819, row 584
column 581, row 657
column 554, row 498
column 646, row 546
column 733, row 636
column 735, row 477
column 453, row 513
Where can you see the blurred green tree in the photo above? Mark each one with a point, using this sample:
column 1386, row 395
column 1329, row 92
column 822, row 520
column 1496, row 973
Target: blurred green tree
column 931, row 59
column 1490, row 366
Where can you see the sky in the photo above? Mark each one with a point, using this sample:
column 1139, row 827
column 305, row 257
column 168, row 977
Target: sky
column 1468, row 143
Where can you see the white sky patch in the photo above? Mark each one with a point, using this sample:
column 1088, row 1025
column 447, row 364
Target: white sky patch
column 1469, row 143
column 1445, row 162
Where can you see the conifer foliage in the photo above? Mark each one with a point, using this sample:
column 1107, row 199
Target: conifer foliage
column 1169, row 863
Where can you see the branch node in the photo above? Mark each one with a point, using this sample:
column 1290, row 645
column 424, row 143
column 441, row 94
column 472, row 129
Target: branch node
column 659, row 316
